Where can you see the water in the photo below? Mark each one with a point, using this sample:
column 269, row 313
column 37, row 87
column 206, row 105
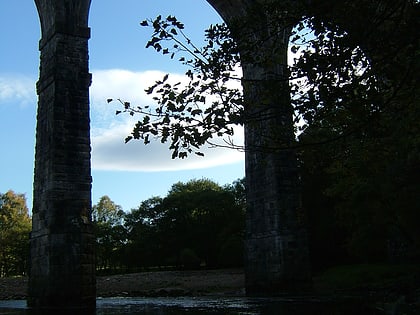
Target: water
column 205, row 306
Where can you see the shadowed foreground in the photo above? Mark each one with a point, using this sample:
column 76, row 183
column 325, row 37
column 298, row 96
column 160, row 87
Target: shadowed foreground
column 160, row 283
column 379, row 292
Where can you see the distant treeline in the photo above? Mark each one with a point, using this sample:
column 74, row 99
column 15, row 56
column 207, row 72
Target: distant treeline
column 198, row 224
column 359, row 208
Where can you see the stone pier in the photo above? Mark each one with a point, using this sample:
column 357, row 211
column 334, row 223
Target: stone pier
column 276, row 244
column 62, row 267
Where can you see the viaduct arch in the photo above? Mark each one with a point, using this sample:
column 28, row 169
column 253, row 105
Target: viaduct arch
column 62, row 268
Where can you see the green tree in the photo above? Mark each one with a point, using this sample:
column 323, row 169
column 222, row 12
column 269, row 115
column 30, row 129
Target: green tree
column 364, row 94
column 343, row 70
column 237, row 189
column 15, row 226
column 110, row 233
column 198, row 221
column 201, row 216
column 144, row 246
column 354, row 89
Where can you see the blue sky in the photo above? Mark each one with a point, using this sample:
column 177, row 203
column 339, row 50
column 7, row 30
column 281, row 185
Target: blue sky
column 121, row 68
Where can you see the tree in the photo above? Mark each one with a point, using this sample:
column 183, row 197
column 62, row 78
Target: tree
column 238, row 190
column 106, row 211
column 110, row 234
column 198, row 221
column 366, row 88
column 144, row 247
column 15, row 225
column 354, row 87
column 202, row 216
column 338, row 61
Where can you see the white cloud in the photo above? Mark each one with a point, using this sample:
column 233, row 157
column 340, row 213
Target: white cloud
column 109, row 152
column 119, row 83
column 18, row 89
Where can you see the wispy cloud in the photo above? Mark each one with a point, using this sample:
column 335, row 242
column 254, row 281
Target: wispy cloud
column 109, row 152
column 17, row 89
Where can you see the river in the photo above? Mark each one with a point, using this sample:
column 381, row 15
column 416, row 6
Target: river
column 206, row 306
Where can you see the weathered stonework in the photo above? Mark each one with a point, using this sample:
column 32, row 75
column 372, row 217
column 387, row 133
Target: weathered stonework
column 276, row 245
column 62, row 269
column 276, row 249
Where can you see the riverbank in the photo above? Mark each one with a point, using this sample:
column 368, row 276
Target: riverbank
column 158, row 283
column 380, row 286
column 173, row 283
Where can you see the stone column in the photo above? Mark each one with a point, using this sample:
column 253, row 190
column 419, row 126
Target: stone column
column 276, row 245
column 62, row 267
column 276, row 248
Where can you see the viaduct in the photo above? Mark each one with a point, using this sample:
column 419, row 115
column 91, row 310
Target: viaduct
column 62, row 269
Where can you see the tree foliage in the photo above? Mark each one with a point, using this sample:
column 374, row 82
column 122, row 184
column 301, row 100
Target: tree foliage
column 354, row 90
column 366, row 87
column 193, row 224
column 191, row 115
column 342, row 71
column 196, row 222
column 110, row 235
column 15, row 225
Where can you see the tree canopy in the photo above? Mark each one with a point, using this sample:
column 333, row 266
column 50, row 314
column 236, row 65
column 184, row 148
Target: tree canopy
column 354, row 90
column 342, row 71
column 193, row 224
column 197, row 223
column 108, row 219
column 15, row 225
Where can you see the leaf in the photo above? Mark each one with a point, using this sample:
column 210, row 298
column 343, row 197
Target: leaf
column 146, row 120
column 109, row 100
column 166, row 120
column 196, row 112
column 150, row 89
column 144, row 23
column 294, row 49
column 146, row 139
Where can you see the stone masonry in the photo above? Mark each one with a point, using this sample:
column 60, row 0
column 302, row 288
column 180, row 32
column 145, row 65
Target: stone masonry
column 276, row 245
column 62, row 269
